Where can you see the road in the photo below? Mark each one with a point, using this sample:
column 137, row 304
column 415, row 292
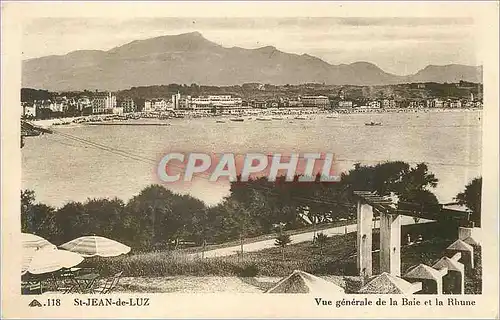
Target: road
column 301, row 237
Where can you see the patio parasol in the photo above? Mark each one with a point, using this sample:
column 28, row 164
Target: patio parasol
column 48, row 259
column 90, row 246
column 31, row 241
column 30, row 245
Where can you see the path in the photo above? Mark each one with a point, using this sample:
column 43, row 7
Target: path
column 301, row 237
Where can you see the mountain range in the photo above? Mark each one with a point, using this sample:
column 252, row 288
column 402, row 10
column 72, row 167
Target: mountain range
column 190, row 58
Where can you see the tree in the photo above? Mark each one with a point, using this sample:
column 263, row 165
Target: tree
column 282, row 240
column 158, row 217
column 149, row 217
column 192, row 219
column 37, row 218
column 72, row 221
column 471, row 198
column 27, row 203
column 104, row 217
column 241, row 217
column 415, row 184
column 321, row 240
column 410, row 184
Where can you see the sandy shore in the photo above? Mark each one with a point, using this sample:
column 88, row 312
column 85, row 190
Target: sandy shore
column 68, row 121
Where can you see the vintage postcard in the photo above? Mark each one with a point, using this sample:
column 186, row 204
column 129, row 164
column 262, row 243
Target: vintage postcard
column 250, row 159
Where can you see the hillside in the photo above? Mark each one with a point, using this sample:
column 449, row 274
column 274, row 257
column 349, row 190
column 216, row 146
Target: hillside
column 190, row 58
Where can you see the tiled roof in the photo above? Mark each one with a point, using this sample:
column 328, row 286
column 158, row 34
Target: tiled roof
column 460, row 245
column 451, row 264
column 423, row 271
column 386, row 283
column 303, row 282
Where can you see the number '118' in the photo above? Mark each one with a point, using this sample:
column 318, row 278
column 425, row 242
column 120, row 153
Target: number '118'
column 53, row 302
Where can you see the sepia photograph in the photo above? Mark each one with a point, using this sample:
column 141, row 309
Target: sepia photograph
column 338, row 157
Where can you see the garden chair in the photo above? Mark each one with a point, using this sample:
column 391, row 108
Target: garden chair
column 66, row 285
column 32, row 287
column 109, row 284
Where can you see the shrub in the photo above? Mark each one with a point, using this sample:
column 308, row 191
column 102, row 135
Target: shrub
column 250, row 270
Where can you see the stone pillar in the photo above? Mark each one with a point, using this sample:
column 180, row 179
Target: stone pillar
column 364, row 239
column 390, row 244
column 432, row 279
column 454, row 281
column 439, row 284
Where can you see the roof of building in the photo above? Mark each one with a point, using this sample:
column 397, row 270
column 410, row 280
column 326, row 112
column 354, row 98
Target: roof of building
column 449, row 263
column 384, row 204
column 460, row 246
column 303, row 282
column 314, row 97
column 101, row 94
column 386, row 283
column 471, row 241
column 423, row 271
column 456, row 207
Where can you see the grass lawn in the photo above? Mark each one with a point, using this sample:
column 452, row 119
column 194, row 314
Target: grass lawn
column 233, row 243
column 336, row 258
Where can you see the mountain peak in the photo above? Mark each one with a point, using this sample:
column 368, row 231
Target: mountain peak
column 189, row 57
column 267, row 49
column 364, row 64
column 194, row 34
column 191, row 41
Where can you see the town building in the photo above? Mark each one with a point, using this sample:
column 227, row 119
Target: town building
column 176, row 98
column 294, row 104
column 345, row 104
column 57, row 107
column 315, row 101
column 221, row 102
column 29, row 110
column 157, row 105
column 437, row 103
column 103, row 102
column 342, row 95
column 128, row 105
column 83, row 102
column 117, row 110
column 373, row 104
column 414, row 104
column 455, row 104
column 388, row 104
column 257, row 104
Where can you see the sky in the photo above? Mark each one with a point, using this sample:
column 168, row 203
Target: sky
column 397, row 45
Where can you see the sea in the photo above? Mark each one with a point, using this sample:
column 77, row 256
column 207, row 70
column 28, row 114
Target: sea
column 78, row 162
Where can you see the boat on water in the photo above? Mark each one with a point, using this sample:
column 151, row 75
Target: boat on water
column 301, row 118
column 371, row 123
column 263, row 119
column 237, row 119
column 278, row 118
column 220, row 121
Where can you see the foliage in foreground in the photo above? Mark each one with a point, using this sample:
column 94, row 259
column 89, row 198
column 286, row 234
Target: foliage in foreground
column 157, row 218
